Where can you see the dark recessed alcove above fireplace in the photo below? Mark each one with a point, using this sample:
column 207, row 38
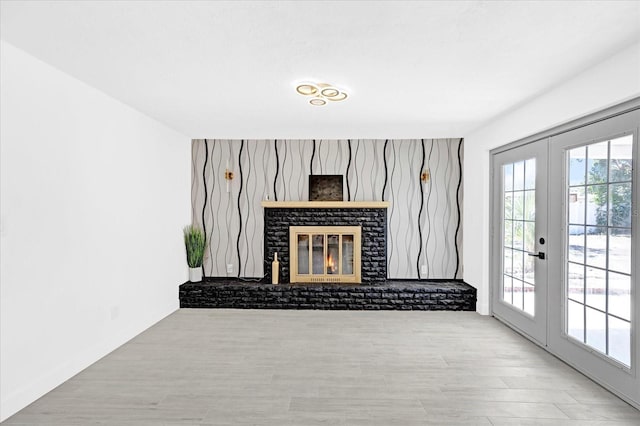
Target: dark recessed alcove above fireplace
column 371, row 217
column 326, row 188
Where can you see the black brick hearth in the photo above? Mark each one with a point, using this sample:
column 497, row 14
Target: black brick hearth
column 374, row 235
column 388, row 295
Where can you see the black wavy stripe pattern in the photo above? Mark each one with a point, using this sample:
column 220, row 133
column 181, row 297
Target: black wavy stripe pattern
column 392, row 241
column 420, row 212
column 239, row 209
column 386, row 171
column 213, row 188
column 284, row 163
column 313, row 154
column 216, row 223
column 275, row 180
column 248, row 200
column 458, row 207
column 348, row 167
column 194, row 180
column 204, row 204
column 434, row 175
column 355, row 168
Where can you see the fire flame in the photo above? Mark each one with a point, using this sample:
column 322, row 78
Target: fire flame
column 331, row 265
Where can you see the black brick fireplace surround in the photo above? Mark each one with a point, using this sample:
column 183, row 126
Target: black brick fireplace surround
column 374, row 235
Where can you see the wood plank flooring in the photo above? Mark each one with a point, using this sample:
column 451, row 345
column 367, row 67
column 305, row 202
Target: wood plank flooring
column 279, row 367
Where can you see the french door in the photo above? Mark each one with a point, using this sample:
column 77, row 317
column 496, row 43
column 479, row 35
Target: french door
column 593, row 299
column 519, row 239
column 582, row 301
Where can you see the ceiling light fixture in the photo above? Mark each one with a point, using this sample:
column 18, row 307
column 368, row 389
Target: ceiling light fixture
column 307, row 89
column 318, row 101
column 320, row 93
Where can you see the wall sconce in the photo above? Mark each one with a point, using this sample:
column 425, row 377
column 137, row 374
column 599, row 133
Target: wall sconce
column 228, row 175
column 425, row 176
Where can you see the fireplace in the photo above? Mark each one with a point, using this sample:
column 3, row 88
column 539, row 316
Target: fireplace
column 369, row 216
column 324, row 254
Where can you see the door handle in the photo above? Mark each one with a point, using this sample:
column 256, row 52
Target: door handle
column 540, row 255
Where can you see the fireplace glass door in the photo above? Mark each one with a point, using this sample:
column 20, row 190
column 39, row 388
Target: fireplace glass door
column 325, row 253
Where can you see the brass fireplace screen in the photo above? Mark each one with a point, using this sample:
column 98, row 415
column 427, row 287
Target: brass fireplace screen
column 324, row 254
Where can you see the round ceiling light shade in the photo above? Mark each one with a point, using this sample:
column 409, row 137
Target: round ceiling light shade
column 340, row 96
column 318, row 102
column 321, row 93
column 307, row 89
column 330, row 92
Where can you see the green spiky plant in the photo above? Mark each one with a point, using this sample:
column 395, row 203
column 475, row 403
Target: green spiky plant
column 194, row 243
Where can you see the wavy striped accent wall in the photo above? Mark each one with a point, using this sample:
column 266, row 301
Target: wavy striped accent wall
column 424, row 219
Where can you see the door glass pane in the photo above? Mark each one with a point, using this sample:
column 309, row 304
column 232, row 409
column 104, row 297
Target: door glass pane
column 578, row 166
column 596, row 330
column 576, row 281
column 508, row 233
column 620, row 250
column 518, row 205
column 597, row 207
column 598, row 260
column 620, row 205
column 519, row 234
column 575, row 320
column 518, row 286
column 518, row 176
column 576, row 243
column 508, row 177
column 620, row 340
column 620, row 160
column 619, row 292
column 507, row 295
column 518, row 264
column 576, row 202
column 508, row 261
column 597, row 162
column 530, row 205
column 529, row 299
column 530, row 174
column 530, row 236
column 303, row 254
column 508, row 205
column 597, row 246
column 318, row 254
column 596, row 288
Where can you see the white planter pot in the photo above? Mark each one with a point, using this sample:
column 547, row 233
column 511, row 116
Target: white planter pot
column 195, row 274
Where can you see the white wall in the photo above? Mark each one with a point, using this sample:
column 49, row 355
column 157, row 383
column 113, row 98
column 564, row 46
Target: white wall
column 613, row 81
column 93, row 198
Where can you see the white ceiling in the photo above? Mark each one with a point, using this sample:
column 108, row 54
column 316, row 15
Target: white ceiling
column 413, row 69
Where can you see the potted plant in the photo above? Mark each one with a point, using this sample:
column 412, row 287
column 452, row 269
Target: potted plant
column 194, row 243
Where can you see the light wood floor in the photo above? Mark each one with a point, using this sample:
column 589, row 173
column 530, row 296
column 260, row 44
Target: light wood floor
column 246, row 367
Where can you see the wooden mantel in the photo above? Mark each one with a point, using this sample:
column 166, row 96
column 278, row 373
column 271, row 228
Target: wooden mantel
column 325, row 204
